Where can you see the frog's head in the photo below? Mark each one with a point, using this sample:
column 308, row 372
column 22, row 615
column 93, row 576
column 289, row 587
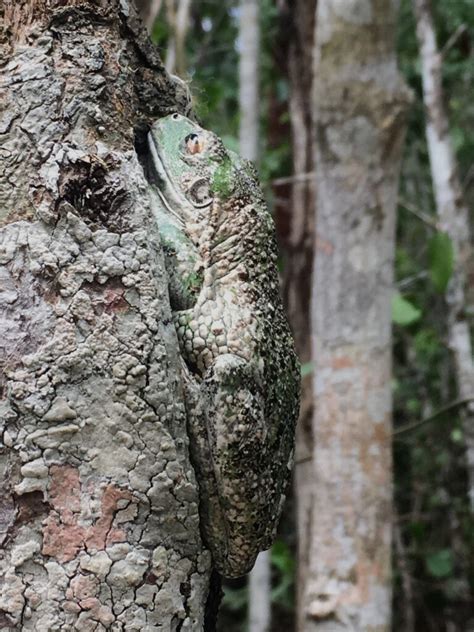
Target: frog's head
column 191, row 164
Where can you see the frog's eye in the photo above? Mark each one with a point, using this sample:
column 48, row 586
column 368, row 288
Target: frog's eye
column 193, row 144
column 199, row 193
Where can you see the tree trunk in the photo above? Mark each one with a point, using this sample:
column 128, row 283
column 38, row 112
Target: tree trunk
column 259, row 580
column 259, row 594
column 149, row 10
column 178, row 14
column 359, row 102
column 249, row 43
column 297, row 29
column 99, row 503
column 453, row 216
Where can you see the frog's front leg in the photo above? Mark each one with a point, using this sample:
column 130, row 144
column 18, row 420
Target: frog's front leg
column 230, row 451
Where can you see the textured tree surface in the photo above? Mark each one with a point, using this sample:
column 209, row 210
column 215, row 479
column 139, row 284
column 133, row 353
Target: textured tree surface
column 360, row 103
column 99, row 505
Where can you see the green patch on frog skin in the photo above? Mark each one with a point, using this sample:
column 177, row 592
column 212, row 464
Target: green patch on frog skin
column 193, row 282
column 222, row 179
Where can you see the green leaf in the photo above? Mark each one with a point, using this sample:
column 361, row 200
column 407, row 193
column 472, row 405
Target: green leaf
column 403, row 312
column 283, row 561
column 306, row 369
column 282, row 558
column 440, row 564
column 441, row 257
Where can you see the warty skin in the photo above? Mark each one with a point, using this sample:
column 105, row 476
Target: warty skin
column 241, row 374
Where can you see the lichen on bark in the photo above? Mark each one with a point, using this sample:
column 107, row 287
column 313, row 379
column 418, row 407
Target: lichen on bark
column 99, row 504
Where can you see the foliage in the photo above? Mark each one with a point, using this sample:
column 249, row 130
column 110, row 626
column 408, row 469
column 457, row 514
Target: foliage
column 440, row 257
column 430, row 478
column 283, row 563
column 403, row 312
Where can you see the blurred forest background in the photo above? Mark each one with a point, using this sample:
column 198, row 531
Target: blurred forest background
column 271, row 113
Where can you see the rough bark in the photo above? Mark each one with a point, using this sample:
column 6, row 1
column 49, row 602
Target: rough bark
column 453, row 218
column 99, row 503
column 297, row 30
column 359, row 102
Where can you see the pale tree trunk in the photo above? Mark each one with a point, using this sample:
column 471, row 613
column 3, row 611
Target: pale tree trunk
column 149, row 11
column 99, row 503
column 298, row 27
column 259, row 594
column 178, row 13
column 249, row 89
column 249, row 50
column 359, row 102
column 453, row 217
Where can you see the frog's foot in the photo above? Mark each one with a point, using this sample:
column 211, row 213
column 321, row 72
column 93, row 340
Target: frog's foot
column 235, row 522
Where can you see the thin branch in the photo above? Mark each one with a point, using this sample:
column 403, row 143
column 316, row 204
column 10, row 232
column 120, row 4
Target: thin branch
column 303, row 459
column 281, row 201
column 407, row 585
column 417, row 424
column 297, row 177
column 411, row 279
column 462, row 28
column 209, row 37
column 427, row 219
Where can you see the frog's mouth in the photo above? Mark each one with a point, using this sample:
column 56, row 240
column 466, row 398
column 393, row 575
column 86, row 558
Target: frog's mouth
column 173, row 199
column 183, row 209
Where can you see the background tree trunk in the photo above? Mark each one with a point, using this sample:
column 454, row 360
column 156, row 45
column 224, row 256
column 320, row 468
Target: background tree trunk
column 359, row 103
column 249, row 105
column 297, row 33
column 149, row 10
column 453, row 216
column 259, row 579
column 178, row 14
column 99, row 504
column 259, row 594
